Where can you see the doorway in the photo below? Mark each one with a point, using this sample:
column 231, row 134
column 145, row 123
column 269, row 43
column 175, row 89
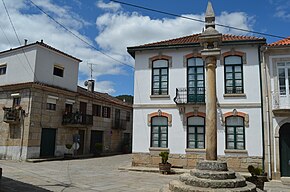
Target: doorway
column 47, row 145
column 284, row 146
column 82, row 142
column 96, row 138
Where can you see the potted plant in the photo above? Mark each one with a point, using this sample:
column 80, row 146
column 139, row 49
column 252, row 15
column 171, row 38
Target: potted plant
column 164, row 166
column 68, row 154
column 258, row 176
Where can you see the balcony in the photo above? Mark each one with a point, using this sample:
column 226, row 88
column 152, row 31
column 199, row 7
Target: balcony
column 12, row 115
column 192, row 97
column 77, row 119
column 280, row 104
column 119, row 124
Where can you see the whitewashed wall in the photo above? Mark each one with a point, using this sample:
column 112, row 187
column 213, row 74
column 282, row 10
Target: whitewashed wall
column 144, row 105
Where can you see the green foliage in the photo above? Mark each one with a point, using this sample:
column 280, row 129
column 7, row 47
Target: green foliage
column 255, row 171
column 126, row 98
column 99, row 147
column 164, row 157
column 68, row 146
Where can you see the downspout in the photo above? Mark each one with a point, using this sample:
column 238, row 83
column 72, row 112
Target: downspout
column 267, row 116
column 262, row 107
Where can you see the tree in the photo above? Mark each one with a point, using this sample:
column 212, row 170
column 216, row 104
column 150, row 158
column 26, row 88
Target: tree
column 126, row 98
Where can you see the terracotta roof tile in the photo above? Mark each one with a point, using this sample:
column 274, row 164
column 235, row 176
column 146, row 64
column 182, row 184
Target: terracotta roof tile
column 192, row 39
column 282, row 42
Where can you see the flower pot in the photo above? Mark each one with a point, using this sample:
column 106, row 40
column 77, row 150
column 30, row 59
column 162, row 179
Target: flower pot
column 164, row 168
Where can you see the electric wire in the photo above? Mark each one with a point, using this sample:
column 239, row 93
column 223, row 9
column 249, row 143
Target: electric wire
column 10, row 20
column 78, row 37
column 197, row 20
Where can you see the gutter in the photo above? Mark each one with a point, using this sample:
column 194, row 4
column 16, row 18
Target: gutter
column 262, row 108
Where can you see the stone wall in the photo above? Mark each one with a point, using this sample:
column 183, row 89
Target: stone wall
column 188, row 161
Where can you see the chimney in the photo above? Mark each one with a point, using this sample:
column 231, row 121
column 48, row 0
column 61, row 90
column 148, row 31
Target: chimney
column 91, row 85
column 25, row 41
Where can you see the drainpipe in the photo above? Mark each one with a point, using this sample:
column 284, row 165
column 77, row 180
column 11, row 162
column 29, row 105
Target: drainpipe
column 267, row 114
column 262, row 107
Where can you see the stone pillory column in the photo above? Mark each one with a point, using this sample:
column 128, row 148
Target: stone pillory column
column 210, row 39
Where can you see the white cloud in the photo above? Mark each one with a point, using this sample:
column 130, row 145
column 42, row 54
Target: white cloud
column 111, row 6
column 283, row 12
column 117, row 31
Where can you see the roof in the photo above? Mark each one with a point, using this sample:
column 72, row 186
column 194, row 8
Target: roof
column 103, row 97
column 192, row 40
column 283, row 42
column 43, row 45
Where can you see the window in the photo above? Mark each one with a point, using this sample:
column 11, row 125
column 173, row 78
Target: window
column 160, row 77
column 235, row 133
column 159, row 132
column 51, row 106
column 51, row 102
column 58, row 71
column 16, row 101
column 106, row 112
column 128, row 116
column 3, row 69
column 195, row 80
column 284, row 77
column 96, row 110
column 195, row 133
column 68, row 108
column 233, row 75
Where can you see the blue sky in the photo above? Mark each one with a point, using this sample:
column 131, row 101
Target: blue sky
column 111, row 27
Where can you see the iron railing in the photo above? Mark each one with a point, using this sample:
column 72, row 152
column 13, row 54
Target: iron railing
column 190, row 96
column 77, row 118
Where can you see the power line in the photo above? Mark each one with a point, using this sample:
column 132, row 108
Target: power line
column 197, row 20
column 81, row 39
column 10, row 20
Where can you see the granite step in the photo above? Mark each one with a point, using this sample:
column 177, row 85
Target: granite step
column 178, row 186
column 191, row 180
column 214, row 175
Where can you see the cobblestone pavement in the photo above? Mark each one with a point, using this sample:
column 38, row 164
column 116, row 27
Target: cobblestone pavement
column 95, row 174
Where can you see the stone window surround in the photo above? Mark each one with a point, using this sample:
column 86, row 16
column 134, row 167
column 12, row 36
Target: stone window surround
column 156, row 114
column 233, row 52
column 190, row 55
column 239, row 114
column 160, row 57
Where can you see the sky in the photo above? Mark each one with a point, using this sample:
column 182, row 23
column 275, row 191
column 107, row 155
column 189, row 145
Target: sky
column 107, row 28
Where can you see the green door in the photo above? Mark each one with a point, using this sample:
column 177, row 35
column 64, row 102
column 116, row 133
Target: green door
column 47, row 145
column 285, row 150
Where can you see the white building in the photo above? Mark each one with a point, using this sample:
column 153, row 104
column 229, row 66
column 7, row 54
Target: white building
column 276, row 57
column 169, row 102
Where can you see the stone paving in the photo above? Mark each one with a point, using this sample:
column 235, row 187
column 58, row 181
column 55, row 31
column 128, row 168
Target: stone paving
column 94, row 174
column 88, row 175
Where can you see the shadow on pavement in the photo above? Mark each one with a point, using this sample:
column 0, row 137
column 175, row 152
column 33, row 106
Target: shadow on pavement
column 10, row 185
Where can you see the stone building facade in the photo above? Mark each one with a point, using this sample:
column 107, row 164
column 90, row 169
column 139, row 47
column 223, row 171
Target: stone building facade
column 40, row 116
column 172, row 97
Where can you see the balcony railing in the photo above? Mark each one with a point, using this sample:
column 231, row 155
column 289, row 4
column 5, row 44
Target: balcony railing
column 12, row 115
column 119, row 124
column 280, row 101
column 77, row 119
column 190, row 96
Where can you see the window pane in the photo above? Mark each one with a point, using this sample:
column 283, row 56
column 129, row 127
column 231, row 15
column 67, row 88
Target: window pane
column 163, row 144
column 160, row 63
column 164, row 91
column 240, row 130
column 191, row 130
column 191, row 145
column 156, row 72
column 235, row 121
column 200, row 137
column 233, row 60
column 155, row 144
column 164, row 137
column 200, row 84
column 200, row 77
column 231, row 138
column 155, row 129
column 164, row 84
column 200, row 145
column 164, row 71
column 191, row 137
column 238, row 83
column 199, row 70
column 163, row 129
column 231, row 145
column 240, row 138
column 155, row 78
column 240, row 145
column 200, row 130
column 229, row 75
column 229, row 69
column 155, row 137
column 159, row 121
column 195, row 121
column 229, row 83
column 238, row 75
column 164, row 78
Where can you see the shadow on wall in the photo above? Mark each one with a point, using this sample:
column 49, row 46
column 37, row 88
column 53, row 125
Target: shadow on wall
column 8, row 185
